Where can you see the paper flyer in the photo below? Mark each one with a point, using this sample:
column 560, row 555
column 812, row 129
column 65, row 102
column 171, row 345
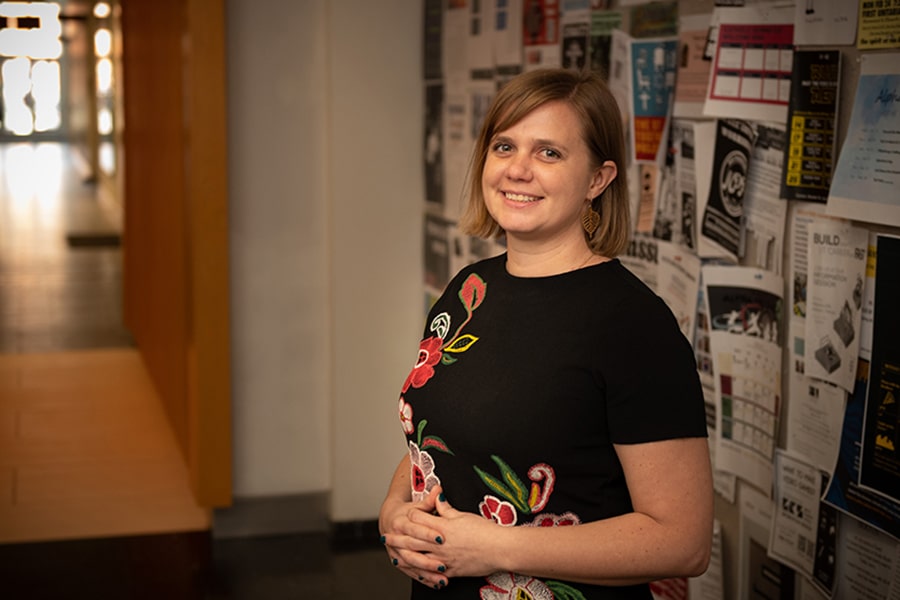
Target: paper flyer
column 720, row 224
column 867, row 175
column 880, row 461
column 812, row 118
column 836, row 275
column 693, row 69
column 540, row 34
column 669, row 270
column 750, row 77
column 759, row 575
column 762, row 243
column 745, row 313
column 603, row 22
column 804, row 532
column 879, row 24
column 844, row 492
column 825, row 23
column 575, row 39
column 653, row 84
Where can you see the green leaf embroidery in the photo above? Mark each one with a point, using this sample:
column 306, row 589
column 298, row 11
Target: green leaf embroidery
column 432, row 441
column 562, row 591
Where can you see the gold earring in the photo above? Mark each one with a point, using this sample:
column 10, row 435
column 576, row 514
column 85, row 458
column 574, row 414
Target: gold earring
column 590, row 220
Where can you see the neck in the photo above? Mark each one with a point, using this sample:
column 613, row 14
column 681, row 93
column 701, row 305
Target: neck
column 530, row 262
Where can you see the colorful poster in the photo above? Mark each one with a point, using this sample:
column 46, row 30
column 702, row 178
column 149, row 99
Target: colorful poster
column 603, row 22
column 812, row 117
column 867, row 175
column 540, row 34
column 653, row 83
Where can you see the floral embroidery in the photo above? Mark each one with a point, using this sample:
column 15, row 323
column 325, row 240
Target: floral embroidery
column 512, row 586
column 434, row 350
column 406, row 413
column 471, row 294
column 499, row 511
column 422, row 476
column 512, row 488
column 552, row 520
column 429, row 356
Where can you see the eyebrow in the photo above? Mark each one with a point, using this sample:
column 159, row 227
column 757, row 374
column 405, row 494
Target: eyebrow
column 536, row 142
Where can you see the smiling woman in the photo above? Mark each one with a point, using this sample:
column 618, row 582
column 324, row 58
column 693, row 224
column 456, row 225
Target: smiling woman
column 566, row 454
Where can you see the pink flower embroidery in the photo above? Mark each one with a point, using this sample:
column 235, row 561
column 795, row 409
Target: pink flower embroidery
column 551, row 520
column 422, row 477
column 406, row 413
column 512, row 586
column 500, row 511
column 429, row 356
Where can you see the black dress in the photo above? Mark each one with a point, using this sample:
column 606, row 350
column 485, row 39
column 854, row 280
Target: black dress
column 521, row 388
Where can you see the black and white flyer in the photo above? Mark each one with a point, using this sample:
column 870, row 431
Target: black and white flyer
column 721, row 222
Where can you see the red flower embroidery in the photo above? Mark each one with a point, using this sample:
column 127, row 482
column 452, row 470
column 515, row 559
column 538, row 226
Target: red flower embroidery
column 429, row 356
column 551, row 520
column 422, row 476
column 500, row 511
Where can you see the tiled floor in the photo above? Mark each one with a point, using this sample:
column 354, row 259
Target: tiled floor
column 94, row 500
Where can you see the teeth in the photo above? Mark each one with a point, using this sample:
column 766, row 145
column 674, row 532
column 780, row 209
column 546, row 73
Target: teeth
column 521, row 198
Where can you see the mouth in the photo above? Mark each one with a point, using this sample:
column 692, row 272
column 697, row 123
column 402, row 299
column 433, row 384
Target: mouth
column 520, row 197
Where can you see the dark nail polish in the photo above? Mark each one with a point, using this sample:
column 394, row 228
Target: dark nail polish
column 382, row 538
column 437, row 587
column 421, row 578
column 439, row 540
column 396, row 562
column 442, row 497
column 442, row 583
column 442, row 568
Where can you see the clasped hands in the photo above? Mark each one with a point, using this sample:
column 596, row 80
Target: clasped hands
column 430, row 541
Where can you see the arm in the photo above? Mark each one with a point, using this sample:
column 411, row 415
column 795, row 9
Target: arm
column 668, row 534
column 407, row 542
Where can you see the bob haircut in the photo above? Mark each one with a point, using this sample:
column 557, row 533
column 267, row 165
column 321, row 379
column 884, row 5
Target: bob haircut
column 601, row 127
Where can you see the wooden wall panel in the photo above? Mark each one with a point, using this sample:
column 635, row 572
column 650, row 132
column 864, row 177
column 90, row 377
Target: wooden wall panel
column 175, row 241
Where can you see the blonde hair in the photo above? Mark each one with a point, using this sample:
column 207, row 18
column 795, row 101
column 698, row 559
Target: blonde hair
column 601, row 127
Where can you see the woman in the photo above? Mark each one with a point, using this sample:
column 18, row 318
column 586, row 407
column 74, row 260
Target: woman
column 555, row 421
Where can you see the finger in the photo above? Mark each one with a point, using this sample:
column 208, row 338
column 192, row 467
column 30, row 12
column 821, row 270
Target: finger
column 421, row 568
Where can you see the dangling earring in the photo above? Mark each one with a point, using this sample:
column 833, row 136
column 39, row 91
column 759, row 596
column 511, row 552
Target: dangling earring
column 590, row 220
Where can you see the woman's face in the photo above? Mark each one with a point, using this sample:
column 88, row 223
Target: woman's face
column 538, row 177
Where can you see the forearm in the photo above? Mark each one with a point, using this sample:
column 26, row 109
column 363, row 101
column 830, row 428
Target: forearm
column 632, row 548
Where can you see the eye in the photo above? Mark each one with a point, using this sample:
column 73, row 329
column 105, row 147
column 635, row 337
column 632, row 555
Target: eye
column 551, row 154
column 501, row 147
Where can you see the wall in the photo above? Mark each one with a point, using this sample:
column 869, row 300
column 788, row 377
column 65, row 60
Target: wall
column 325, row 198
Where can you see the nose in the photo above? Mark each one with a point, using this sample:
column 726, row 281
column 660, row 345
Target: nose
column 519, row 166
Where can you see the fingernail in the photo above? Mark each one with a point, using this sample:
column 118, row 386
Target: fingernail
column 421, row 578
column 395, row 561
column 439, row 540
column 442, row 497
column 437, row 587
column 441, row 568
column 382, row 538
column 442, row 583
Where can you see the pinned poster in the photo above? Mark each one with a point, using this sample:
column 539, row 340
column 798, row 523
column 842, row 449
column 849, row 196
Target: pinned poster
column 653, row 84
column 867, row 175
column 750, row 77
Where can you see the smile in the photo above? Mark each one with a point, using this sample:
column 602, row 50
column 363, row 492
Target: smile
column 520, row 197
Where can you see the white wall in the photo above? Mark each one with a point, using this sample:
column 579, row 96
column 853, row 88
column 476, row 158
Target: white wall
column 376, row 184
column 325, row 171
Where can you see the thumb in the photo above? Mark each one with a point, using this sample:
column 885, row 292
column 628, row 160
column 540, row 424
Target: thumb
column 443, row 506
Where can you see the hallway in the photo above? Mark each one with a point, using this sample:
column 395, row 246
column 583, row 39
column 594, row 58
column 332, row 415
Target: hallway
column 94, row 494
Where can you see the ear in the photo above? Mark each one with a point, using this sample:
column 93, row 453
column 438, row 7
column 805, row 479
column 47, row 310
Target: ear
column 603, row 176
